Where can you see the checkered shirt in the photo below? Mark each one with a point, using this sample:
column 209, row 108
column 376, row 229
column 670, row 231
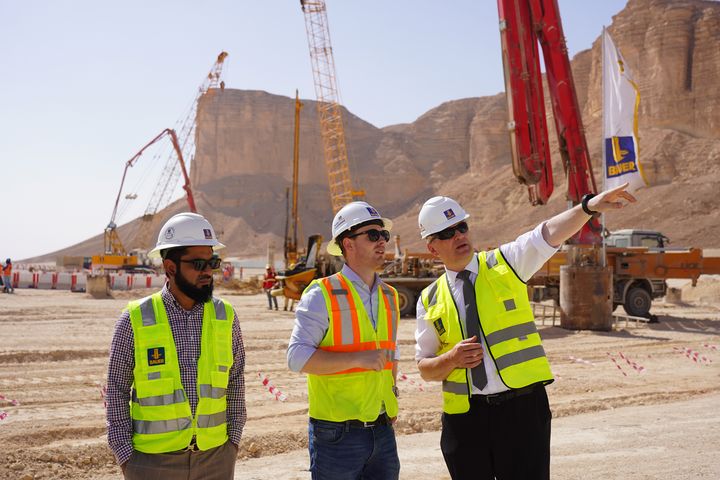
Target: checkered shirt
column 186, row 326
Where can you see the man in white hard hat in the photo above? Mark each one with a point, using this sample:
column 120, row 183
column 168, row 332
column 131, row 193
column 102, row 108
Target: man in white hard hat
column 344, row 339
column 176, row 391
column 487, row 352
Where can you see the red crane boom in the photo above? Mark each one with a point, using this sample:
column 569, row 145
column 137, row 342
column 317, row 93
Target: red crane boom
column 524, row 24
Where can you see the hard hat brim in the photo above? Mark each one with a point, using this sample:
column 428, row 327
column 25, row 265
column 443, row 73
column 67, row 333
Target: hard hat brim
column 155, row 252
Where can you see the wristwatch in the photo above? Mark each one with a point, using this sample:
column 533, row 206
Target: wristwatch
column 584, row 202
column 396, row 391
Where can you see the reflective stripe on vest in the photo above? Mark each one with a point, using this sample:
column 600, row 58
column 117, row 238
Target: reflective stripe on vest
column 355, row 393
column 508, row 325
column 344, row 318
column 146, row 427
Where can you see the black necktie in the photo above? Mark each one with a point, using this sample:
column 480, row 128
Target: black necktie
column 472, row 322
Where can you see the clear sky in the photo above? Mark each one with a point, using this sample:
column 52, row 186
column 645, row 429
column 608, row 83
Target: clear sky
column 84, row 84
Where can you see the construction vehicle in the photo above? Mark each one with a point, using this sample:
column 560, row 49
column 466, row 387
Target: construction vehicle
column 115, row 255
column 299, row 271
column 641, row 263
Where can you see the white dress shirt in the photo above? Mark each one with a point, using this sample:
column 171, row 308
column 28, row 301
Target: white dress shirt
column 525, row 256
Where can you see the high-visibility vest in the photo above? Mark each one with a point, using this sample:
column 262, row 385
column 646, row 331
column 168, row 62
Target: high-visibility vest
column 160, row 410
column 356, row 393
column 506, row 322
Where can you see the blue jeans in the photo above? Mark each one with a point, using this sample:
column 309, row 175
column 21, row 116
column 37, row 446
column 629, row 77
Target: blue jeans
column 338, row 452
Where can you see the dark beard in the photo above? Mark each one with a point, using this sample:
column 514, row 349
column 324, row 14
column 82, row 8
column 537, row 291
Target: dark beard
column 199, row 294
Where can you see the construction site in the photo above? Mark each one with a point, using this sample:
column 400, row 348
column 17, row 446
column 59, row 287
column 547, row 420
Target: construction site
column 628, row 309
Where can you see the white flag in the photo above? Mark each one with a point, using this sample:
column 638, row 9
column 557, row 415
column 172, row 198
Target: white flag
column 621, row 100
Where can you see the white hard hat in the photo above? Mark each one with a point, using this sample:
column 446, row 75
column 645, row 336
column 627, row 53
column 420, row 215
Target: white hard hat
column 354, row 213
column 186, row 230
column 438, row 213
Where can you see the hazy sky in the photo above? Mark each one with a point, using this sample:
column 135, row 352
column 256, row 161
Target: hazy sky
column 84, row 84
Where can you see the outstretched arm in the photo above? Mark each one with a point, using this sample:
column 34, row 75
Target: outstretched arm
column 566, row 224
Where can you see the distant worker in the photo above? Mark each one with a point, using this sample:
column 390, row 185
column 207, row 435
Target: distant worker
column 176, row 391
column 488, row 355
column 344, row 339
column 7, row 277
column 269, row 283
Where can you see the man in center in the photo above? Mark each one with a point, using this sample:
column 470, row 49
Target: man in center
column 344, row 339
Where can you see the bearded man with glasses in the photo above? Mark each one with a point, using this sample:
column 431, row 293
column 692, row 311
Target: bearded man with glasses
column 344, row 339
column 476, row 333
column 176, row 390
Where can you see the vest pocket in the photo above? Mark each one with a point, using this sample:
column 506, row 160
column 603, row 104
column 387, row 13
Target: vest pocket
column 219, row 379
column 154, row 388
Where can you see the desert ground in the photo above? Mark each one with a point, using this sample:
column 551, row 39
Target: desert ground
column 639, row 402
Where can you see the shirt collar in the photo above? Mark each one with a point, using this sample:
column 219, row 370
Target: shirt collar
column 355, row 278
column 472, row 267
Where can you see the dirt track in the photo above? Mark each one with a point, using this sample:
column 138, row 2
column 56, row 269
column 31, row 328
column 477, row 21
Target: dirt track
column 53, row 356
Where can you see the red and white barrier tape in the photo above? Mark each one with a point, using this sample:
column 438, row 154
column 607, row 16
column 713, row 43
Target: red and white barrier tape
column 636, row 366
column 420, row 386
column 272, row 388
column 711, row 347
column 616, row 364
column 12, row 402
column 3, row 414
column 580, row 360
column 693, row 355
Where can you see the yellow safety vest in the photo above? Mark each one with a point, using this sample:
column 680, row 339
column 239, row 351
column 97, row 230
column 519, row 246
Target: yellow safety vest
column 357, row 393
column 506, row 322
column 160, row 410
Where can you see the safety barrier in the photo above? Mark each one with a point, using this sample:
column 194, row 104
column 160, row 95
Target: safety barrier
column 77, row 282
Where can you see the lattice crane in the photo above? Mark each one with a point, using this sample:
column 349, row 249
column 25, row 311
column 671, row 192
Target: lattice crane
column 328, row 104
column 186, row 138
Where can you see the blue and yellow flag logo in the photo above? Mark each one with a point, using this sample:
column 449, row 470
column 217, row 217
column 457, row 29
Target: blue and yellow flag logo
column 620, row 156
column 156, row 356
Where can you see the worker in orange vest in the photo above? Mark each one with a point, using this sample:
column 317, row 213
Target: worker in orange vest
column 7, row 277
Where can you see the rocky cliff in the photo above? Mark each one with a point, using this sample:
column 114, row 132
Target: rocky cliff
column 243, row 162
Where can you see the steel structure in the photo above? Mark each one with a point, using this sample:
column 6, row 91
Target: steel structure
column 328, row 103
column 524, row 24
column 113, row 245
column 186, row 137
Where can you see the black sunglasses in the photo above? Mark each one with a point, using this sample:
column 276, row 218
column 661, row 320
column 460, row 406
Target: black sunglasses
column 200, row 264
column 373, row 235
column 449, row 232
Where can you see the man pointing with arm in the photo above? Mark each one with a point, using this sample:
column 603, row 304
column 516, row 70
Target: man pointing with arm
column 476, row 333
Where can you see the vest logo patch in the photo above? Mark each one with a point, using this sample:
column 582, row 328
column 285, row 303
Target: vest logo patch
column 439, row 326
column 156, row 356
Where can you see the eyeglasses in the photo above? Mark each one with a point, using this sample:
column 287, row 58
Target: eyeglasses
column 449, row 232
column 373, row 235
column 200, row 264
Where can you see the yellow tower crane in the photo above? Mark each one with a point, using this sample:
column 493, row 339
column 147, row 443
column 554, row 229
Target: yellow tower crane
column 328, row 104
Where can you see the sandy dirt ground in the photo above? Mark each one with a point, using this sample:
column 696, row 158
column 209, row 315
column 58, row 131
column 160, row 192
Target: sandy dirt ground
column 639, row 402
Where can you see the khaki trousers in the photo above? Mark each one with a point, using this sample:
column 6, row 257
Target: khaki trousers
column 215, row 464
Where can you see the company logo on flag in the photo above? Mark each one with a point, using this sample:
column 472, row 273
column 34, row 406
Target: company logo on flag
column 621, row 100
column 620, row 158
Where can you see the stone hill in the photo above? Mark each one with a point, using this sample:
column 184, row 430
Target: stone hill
column 243, row 162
